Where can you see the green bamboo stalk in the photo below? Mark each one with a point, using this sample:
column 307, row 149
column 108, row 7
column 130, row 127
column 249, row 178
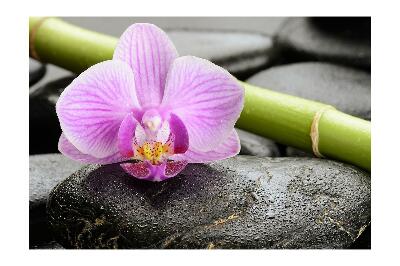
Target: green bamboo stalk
column 284, row 118
column 68, row 46
column 287, row 119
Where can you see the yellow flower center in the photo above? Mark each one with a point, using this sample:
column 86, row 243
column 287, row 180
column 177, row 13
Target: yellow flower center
column 155, row 152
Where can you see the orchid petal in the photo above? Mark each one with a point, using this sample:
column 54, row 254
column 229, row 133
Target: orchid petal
column 174, row 167
column 149, row 52
column 206, row 98
column 139, row 170
column 147, row 171
column 229, row 148
column 69, row 150
column 93, row 106
column 181, row 137
column 126, row 135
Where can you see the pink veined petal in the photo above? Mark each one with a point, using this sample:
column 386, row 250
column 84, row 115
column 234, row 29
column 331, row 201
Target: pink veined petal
column 69, row 150
column 181, row 137
column 206, row 98
column 92, row 107
column 229, row 148
column 149, row 52
column 126, row 136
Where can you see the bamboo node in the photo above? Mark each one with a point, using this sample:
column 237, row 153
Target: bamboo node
column 32, row 35
column 314, row 132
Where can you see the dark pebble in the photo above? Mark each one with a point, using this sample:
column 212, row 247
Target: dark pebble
column 242, row 202
column 241, row 53
column 294, row 152
column 44, row 127
column 364, row 239
column 347, row 89
column 252, row 144
column 348, row 27
column 341, row 40
column 45, row 172
column 36, row 71
column 49, row 245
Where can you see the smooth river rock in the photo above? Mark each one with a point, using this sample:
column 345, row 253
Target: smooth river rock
column 327, row 39
column 294, row 152
column 36, row 71
column 47, row 245
column 44, row 127
column 252, row 144
column 45, row 172
column 347, row 89
column 241, row 202
column 364, row 240
column 241, row 53
column 356, row 27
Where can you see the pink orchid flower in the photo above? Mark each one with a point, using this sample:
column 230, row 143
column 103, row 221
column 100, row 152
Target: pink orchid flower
column 150, row 105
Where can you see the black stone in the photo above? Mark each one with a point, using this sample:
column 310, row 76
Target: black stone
column 294, row 152
column 241, row 202
column 347, row 27
column 341, row 40
column 347, row 89
column 45, row 172
column 241, row 53
column 36, row 71
column 252, row 144
column 364, row 239
column 49, row 245
column 44, row 127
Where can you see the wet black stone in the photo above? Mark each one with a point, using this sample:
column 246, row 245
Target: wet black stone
column 45, row 172
column 242, row 202
column 348, row 27
column 294, row 152
column 364, row 240
column 347, row 89
column 252, row 144
column 241, row 53
column 49, row 245
column 44, row 127
column 36, row 71
column 341, row 40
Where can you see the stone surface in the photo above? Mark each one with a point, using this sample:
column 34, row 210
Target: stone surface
column 49, row 245
column 45, row 172
column 351, row 27
column 116, row 25
column 347, row 89
column 294, row 152
column 364, row 240
column 252, row 144
column 242, row 54
column 36, row 71
column 44, row 128
column 242, row 202
column 329, row 39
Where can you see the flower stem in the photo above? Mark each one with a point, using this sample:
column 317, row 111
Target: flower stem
column 284, row 118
